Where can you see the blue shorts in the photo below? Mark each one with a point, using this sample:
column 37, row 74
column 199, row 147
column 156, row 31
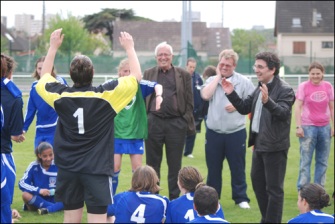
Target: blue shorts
column 128, row 146
column 45, row 135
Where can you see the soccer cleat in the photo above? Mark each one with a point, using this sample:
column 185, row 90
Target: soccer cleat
column 43, row 211
column 190, row 156
column 244, row 205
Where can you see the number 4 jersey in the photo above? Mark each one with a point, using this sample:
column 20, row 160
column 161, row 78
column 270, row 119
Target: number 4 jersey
column 138, row 207
column 84, row 138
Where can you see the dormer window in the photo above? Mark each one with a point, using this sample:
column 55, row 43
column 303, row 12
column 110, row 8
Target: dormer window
column 296, row 22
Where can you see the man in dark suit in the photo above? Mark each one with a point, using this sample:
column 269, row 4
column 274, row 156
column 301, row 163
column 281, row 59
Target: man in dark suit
column 174, row 120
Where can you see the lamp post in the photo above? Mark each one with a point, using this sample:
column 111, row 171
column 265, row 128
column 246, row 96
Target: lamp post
column 11, row 40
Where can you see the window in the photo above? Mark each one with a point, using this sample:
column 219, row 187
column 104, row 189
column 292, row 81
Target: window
column 327, row 44
column 299, row 47
column 296, row 22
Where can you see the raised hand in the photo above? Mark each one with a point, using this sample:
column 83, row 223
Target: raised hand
column 227, row 86
column 126, row 40
column 56, row 38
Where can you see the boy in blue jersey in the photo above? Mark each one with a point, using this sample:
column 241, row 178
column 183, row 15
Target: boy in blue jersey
column 12, row 117
column 206, row 203
column 39, row 182
column 140, row 204
column 131, row 124
column 312, row 198
column 84, row 138
column 181, row 210
column 46, row 116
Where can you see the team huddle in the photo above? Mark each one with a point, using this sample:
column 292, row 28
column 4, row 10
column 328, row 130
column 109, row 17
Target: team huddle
column 82, row 132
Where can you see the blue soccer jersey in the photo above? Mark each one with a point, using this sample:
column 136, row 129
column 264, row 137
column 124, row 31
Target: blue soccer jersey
column 138, row 207
column 315, row 216
column 36, row 177
column 181, row 210
column 209, row 219
column 46, row 116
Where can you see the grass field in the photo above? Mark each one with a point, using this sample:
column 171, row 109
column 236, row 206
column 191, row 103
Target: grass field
column 23, row 155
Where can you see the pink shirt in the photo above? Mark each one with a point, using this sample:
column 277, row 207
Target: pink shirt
column 315, row 107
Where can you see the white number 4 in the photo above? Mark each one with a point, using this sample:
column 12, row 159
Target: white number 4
column 138, row 215
column 80, row 114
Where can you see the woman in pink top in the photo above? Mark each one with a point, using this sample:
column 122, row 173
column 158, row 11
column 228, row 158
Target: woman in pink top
column 314, row 109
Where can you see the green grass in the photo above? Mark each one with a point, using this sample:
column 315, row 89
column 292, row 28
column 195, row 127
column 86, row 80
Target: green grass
column 23, row 155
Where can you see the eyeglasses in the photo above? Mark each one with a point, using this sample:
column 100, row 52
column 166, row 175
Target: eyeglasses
column 226, row 65
column 165, row 55
column 260, row 67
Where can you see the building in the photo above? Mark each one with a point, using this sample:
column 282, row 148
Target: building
column 305, row 32
column 208, row 42
column 28, row 24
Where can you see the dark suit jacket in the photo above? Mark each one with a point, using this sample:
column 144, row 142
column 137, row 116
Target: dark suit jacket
column 184, row 94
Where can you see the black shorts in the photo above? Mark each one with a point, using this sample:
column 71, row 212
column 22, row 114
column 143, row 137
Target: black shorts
column 75, row 188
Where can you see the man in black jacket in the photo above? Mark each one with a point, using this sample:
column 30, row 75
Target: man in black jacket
column 271, row 109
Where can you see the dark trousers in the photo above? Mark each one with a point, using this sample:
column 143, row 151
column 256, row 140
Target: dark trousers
column 190, row 139
column 189, row 144
column 267, row 175
column 231, row 146
column 172, row 133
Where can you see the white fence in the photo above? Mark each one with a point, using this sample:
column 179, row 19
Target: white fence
column 24, row 80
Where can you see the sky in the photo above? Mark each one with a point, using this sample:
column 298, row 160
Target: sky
column 236, row 14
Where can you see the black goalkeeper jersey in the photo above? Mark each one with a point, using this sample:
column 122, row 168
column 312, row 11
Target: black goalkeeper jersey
column 84, row 138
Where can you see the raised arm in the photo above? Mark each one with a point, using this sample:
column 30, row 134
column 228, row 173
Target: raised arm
column 208, row 91
column 127, row 42
column 56, row 39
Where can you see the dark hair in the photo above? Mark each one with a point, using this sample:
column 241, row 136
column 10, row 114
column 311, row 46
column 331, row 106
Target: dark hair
column 145, row 179
column 40, row 148
column 206, row 199
column 35, row 73
column 209, row 71
column 81, row 71
column 8, row 65
column 317, row 65
column 271, row 59
column 189, row 177
column 191, row 60
column 315, row 195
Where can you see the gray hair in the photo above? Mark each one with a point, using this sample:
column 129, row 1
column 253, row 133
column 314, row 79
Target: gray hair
column 163, row 44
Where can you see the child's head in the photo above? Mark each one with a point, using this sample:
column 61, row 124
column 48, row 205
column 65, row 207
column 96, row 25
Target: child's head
column 145, row 179
column 312, row 196
column 124, row 68
column 206, row 200
column 188, row 178
column 44, row 154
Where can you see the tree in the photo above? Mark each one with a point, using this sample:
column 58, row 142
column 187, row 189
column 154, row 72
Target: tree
column 4, row 45
column 77, row 38
column 103, row 22
column 247, row 43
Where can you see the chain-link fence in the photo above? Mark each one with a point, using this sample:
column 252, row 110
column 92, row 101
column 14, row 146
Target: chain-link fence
column 108, row 64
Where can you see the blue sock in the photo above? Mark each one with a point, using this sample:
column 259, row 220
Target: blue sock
column 115, row 181
column 39, row 202
column 58, row 206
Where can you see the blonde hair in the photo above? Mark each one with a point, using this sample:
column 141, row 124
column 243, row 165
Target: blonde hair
column 122, row 64
column 145, row 179
column 229, row 53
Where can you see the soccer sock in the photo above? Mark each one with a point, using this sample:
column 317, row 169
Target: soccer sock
column 55, row 207
column 39, row 202
column 115, row 181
